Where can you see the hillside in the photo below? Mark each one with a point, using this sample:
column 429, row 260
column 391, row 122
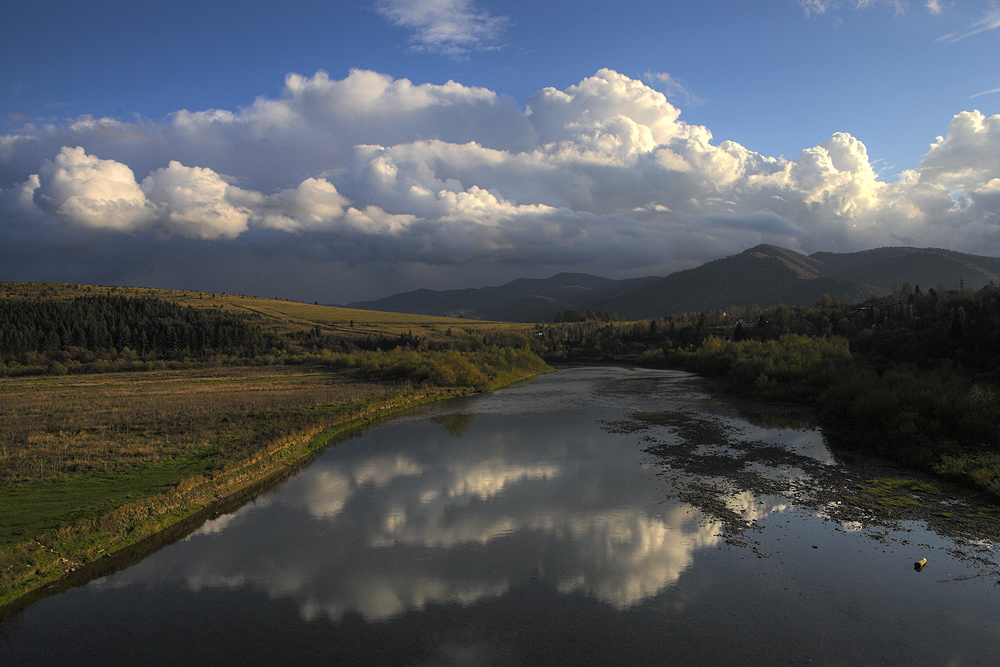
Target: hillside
column 521, row 300
column 273, row 315
column 927, row 267
column 767, row 275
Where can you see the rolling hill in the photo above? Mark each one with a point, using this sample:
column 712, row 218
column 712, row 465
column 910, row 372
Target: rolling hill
column 521, row 300
column 764, row 275
column 767, row 275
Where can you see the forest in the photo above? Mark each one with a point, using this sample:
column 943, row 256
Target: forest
column 59, row 335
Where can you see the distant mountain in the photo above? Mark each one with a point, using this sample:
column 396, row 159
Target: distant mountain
column 767, row 275
column 927, row 267
column 764, row 275
column 522, row 300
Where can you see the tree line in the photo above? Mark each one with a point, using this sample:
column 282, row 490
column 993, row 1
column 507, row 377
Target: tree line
column 34, row 331
column 105, row 333
column 915, row 375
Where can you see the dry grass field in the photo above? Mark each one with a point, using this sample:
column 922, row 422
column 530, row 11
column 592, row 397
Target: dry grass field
column 97, row 460
column 72, row 447
column 282, row 316
column 92, row 464
column 50, row 426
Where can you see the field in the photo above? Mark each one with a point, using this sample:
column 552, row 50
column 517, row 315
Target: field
column 122, row 447
column 95, row 465
column 92, row 464
column 280, row 316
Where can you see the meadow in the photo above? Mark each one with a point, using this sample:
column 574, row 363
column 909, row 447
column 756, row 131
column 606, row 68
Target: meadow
column 103, row 447
column 279, row 315
column 92, row 464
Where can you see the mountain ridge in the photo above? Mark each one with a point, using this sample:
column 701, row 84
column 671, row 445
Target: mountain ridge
column 764, row 275
column 521, row 300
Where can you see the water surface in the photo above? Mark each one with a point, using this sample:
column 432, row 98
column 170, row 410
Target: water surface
column 542, row 524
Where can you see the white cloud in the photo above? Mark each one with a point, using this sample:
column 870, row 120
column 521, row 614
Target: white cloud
column 91, row 192
column 968, row 156
column 819, row 7
column 449, row 27
column 314, row 205
column 370, row 171
column 196, row 202
column 192, row 202
column 985, row 92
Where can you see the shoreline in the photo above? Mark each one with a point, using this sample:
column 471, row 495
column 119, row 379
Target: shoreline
column 78, row 553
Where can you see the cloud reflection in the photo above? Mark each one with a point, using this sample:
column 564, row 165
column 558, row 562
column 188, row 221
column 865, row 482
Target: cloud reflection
column 409, row 515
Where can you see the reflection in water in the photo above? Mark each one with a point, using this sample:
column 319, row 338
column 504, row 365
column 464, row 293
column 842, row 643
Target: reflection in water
column 386, row 524
column 776, row 421
column 597, row 516
column 457, row 423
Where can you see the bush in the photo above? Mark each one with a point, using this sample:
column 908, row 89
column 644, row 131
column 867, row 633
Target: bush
column 56, row 368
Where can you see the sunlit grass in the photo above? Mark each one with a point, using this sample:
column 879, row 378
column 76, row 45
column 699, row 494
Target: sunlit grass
column 282, row 316
column 91, row 464
column 57, row 425
column 94, row 464
column 74, row 447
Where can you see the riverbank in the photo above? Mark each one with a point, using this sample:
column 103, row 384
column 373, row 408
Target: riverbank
column 99, row 465
column 725, row 475
column 941, row 420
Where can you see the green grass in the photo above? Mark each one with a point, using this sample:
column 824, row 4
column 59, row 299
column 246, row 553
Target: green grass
column 887, row 494
column 95, row 465
column 28, row 509
column 92, row 464
column 892, row 487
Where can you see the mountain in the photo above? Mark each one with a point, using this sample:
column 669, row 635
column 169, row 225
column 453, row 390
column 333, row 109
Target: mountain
column 767, row 275
column 522, row 300
column 927, row 267
column 764, row 275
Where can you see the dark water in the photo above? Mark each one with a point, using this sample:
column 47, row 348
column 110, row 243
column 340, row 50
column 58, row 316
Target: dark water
column 524, row 527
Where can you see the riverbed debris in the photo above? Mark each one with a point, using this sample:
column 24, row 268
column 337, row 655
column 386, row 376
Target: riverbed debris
column 724, row 472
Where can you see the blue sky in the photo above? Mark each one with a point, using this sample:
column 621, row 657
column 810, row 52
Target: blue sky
column 344, row 150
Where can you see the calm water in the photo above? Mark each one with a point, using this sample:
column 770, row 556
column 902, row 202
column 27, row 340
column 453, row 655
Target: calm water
column 522, row 527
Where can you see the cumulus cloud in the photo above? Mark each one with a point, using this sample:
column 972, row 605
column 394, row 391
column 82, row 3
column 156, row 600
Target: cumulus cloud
column 313, row 205
column 196, row 202
column 91, row 192
column 449, row 27
column 968, row 156
column 386, row 180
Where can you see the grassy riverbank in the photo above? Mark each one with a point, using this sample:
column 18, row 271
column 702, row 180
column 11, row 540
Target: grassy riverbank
column 93, row 464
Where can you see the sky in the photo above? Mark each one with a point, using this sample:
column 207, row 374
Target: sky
column 342, row 151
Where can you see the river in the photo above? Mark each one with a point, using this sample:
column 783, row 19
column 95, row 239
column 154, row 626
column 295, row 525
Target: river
column 579, row 518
